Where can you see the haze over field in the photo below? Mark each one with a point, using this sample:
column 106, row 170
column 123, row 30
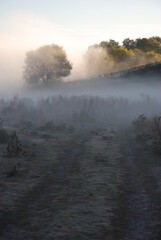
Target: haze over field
column 75, row 26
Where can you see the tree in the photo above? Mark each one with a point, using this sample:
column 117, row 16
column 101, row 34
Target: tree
column 115, row 51
column 129, row 43
column 155, row 44
column 120, row 54
column 46, row 65
column 157, row 38
column 110, row 45
column 153, row 57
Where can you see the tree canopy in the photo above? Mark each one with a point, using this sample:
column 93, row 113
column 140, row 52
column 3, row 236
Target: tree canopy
column 115, row 56
column 129, row 48
column 46, row 65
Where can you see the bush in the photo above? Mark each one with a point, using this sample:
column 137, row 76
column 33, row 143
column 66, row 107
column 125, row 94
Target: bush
column 14, row 148
column 148, row 131
column 142, row 128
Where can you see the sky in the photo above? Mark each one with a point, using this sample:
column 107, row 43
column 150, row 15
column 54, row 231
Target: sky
column 73, row 24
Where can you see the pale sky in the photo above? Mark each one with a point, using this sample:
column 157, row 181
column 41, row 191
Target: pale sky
column 73, row 24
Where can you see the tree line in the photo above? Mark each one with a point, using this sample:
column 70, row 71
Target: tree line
column 148, row 47
column 110, row 56
column 49, row 64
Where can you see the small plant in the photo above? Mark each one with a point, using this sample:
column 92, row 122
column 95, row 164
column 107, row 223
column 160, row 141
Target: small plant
column 81, row 118
column 14, row 148
column 149, row 132
column 142, row 128
column 139, row 123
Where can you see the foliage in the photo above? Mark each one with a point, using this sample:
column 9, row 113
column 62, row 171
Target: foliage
column 46, row 65
column 14, row 148
column 82, row 117
column 61, row 109
column 150, row 44
column 149, row 131
column 153, row 56
column 139, row 123
column 110, row 45
column 120, row 54
column 116, row 57
column 141, row 127
column 144, row 44
column 129, row 43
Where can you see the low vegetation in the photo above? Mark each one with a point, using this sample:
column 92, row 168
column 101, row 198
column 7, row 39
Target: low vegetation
column 148, row 130
column 56, row 112
column 14, row 147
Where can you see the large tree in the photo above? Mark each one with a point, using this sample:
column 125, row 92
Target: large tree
column 46, row 65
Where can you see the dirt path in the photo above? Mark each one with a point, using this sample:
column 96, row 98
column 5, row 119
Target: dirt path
column 100, row 187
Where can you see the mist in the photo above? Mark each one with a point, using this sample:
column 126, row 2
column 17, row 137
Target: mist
column 90, row 65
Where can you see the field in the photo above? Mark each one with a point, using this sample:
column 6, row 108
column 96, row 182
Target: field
column 79, row 168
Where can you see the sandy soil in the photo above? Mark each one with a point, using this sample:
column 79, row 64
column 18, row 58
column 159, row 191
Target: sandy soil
column 88, row 185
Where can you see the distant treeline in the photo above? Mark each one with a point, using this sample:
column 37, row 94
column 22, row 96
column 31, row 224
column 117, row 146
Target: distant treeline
column 109, row 56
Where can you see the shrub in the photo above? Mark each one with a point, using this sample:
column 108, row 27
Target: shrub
column 14, row 148
column 157, row 128
column 149, row 132
column 142, row 128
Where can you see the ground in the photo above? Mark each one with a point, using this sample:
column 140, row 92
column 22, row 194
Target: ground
column 97, row 184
